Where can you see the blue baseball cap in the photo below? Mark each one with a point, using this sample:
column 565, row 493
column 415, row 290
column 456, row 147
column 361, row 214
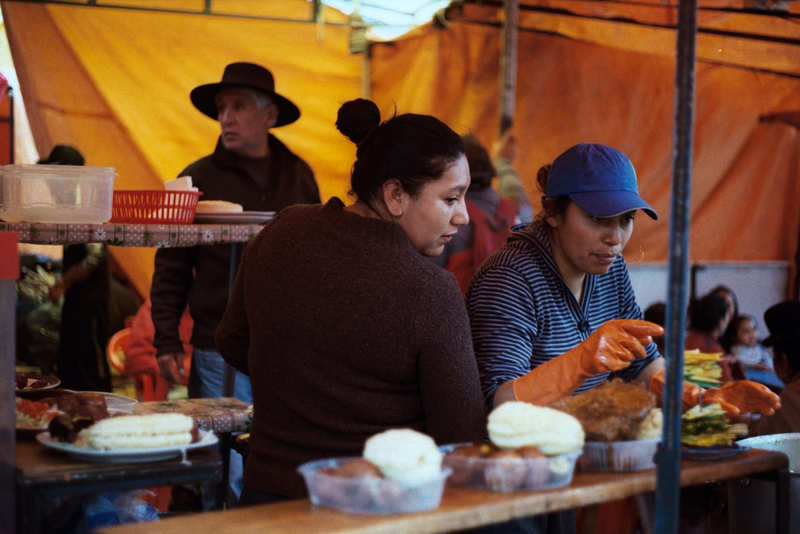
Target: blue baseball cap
column 599, row 179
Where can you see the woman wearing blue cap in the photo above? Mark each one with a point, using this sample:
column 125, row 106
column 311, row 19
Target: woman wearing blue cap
column 553, row 312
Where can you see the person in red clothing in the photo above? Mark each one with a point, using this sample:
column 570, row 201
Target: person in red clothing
column 491, row 214
column 344, row 325
column 140, row 354
column 708, row 318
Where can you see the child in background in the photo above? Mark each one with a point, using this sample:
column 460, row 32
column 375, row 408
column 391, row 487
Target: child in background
column 746, row 348
column 754, row 359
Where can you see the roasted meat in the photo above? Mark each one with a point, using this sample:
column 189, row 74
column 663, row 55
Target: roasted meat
column 611, row 412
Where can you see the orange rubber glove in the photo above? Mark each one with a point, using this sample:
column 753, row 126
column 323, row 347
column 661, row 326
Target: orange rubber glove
column 611, row 347
column 691, row 392
column 743, row 396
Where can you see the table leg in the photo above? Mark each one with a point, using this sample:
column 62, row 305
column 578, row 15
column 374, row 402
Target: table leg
column 782, row 501
column 228, row 391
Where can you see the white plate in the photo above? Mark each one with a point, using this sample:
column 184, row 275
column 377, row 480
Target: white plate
column 245, row 217
column 207, row 439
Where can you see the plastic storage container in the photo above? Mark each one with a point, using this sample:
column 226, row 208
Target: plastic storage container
column 618, row 456
column 510, row 474
column 369, row 494
column 56, row 193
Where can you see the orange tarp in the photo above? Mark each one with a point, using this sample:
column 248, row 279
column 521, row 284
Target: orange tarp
column 115, row 83
column 746, row 174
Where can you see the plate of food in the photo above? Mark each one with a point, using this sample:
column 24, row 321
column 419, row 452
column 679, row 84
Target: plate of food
column 131, row 439
column 33, row 417
column 706, row 434
column 26, row 382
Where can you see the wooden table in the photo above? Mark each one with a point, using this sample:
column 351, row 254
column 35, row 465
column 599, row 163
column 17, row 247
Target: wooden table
column 464, row 508
column 144, row 235
column 41, row 472
column 223, row 415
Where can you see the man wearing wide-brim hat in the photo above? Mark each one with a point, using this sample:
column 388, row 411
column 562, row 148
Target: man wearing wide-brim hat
column 251, row 167
column 783, row 323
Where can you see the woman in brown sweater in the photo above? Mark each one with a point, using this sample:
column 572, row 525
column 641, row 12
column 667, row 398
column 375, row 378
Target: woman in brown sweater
column 344, row 325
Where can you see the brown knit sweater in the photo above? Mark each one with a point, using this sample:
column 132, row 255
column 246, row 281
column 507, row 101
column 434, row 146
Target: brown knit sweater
column 346, row 330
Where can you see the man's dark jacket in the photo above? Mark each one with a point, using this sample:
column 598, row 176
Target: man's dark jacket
column 199, row 275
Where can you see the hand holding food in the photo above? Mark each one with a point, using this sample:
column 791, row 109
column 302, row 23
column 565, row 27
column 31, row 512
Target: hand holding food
column 612, row 347
column 743, row 396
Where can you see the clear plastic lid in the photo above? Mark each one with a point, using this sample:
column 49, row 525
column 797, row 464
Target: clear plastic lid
column 70, row 171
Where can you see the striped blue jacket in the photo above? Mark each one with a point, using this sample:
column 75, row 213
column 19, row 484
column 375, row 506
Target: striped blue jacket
column 523, row 314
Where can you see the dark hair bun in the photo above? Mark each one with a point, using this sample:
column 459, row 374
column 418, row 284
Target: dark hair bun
column 357, row 118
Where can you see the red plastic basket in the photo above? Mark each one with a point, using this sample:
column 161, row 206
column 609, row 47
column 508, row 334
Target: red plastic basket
column 154, row 207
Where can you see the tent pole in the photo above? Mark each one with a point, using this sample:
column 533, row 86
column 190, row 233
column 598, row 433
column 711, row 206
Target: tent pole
column 508, row 65
column 669, row 458
column 366, row 85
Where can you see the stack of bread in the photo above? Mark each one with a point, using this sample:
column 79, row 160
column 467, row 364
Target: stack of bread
column 702, row 368
column 707, row 426
column 531, row 447
column 139, row 432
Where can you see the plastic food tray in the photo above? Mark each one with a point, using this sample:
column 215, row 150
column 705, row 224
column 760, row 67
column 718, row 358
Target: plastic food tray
column 369, row 495
column 56, row 193
column 618, row 456
column 510, row 474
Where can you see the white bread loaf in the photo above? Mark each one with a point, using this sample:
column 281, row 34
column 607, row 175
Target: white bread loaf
column 404, row 455
column 139, row 431
column 518, row 424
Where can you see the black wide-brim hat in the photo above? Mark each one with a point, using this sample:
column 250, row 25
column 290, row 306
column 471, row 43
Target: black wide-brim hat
column 250, row 76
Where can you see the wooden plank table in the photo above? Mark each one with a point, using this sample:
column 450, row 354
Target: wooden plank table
column 41, row 472
column 461, row 507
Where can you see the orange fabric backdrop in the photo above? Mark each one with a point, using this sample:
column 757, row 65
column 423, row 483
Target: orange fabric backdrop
column 746, row 177
column 116, row 82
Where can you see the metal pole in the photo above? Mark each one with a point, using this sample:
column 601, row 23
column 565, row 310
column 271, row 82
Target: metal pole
column 669, row 458
column 508, row 65
column 11, row 125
